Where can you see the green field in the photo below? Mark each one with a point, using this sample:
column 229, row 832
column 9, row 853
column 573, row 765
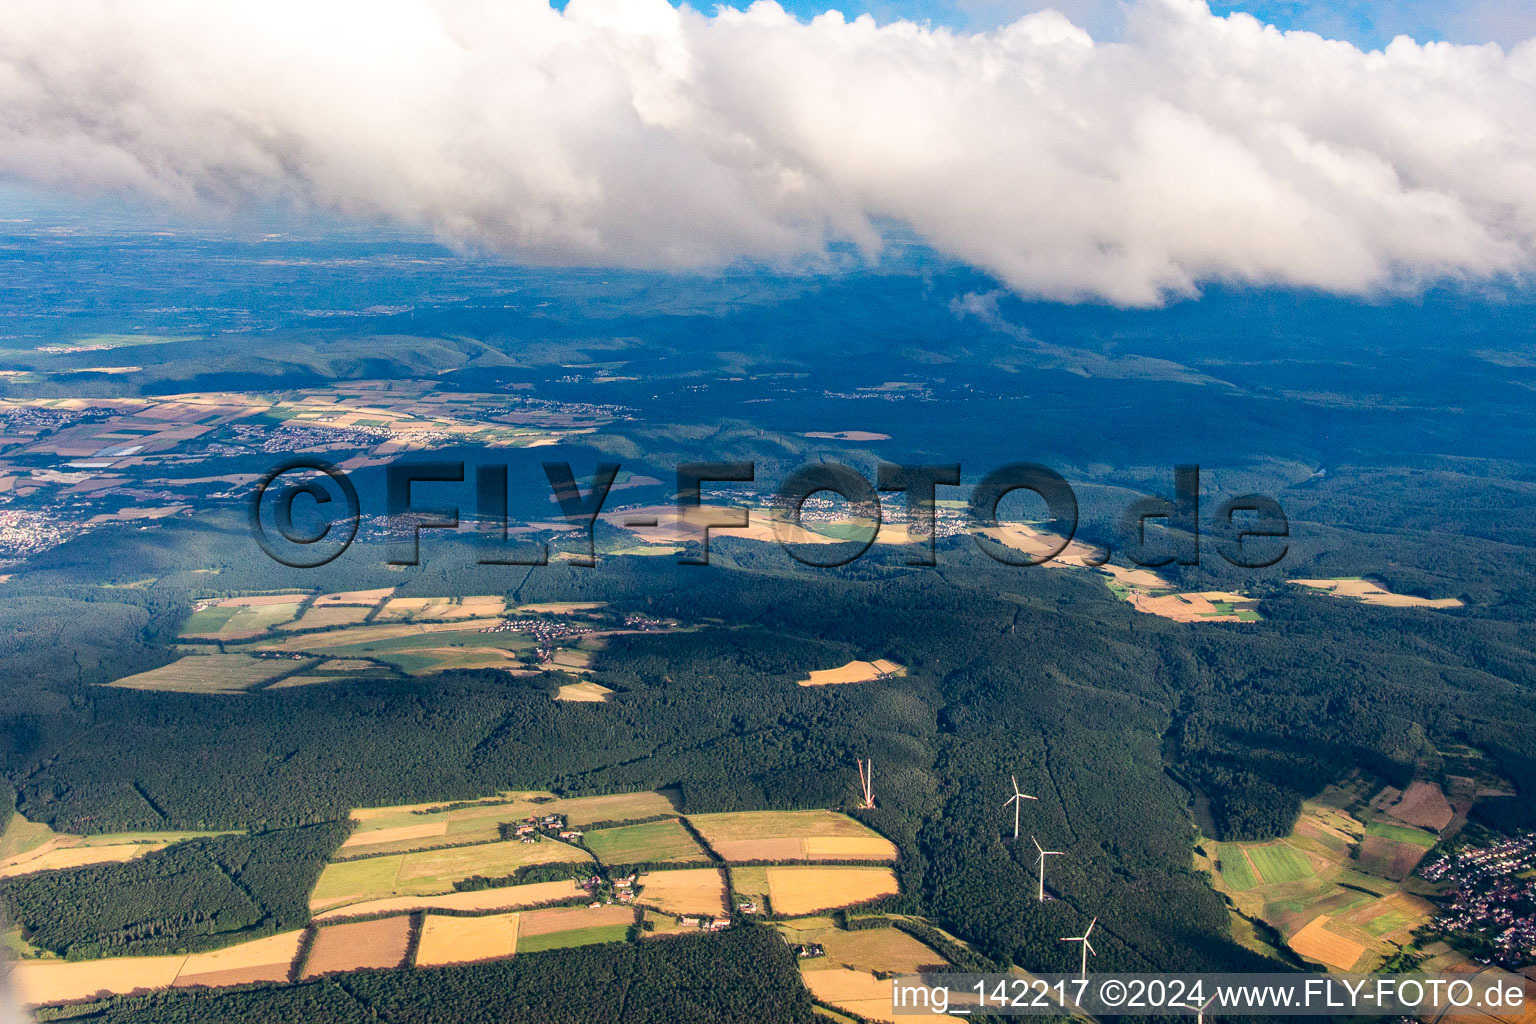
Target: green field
column 419, row 653
column 21, row 836
column 208, row 620
column 1387, row 922
column 652, row 843
column 1234, row 868
column 1402, row 834
column 212, row 673
column 575, row 937
column 1278, row 863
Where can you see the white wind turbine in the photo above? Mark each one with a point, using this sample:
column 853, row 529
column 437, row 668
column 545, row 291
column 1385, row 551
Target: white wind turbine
column 1200, row 1010
column 1017, row 800
column 1044, row 853
column 1087, row 946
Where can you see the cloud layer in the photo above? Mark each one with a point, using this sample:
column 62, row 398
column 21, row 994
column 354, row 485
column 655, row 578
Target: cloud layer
column 629, row 133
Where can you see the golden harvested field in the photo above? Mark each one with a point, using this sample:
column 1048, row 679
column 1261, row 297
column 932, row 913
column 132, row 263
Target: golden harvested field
column 1373, row 592
column 565, row 919
column 1315, row 942
column 857, row 992
column 368, row 598
column 60, row 858
column 791, row 835
column 464, row 940
column 803, row 890
column 583, row 693
column 420, row 608
column 212, row 673
column 1210, row 606
column 854, row 672
column 430, row 829
column 44, row 982
column 881, row 949
column 686, row 891
column 266, row 959
column 429, row 872
column 327, row 617
column 511, row 897
column 360, row 944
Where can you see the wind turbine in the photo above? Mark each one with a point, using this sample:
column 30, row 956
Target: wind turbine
column 867, row 783
column 1087, row 946
column 1017, row 800
column 1044, row 853
column 1200, row 1010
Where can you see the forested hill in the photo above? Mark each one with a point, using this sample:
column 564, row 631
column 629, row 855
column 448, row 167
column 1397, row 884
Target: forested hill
column 1038, row 673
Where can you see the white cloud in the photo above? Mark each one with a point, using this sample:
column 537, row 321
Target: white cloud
column 630, row 133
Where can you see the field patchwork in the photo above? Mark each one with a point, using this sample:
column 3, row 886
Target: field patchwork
column 563, row 927
column 213, row 673
column 430, row 872
column 510, row 897
column 791, row 835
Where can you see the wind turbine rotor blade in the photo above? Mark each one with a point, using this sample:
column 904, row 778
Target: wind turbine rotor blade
column 1090, row 946
column 1090, row 928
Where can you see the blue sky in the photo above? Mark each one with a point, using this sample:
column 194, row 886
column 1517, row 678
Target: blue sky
column 1366, row 23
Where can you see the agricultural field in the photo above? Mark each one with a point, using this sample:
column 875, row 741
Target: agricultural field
column 510, row 897
column 752, row 883
column 430, row 872
column 43, row 982
column 791, row 835
column 807, row 889
column 1333, row 888
column 655, row 842
column 692, row 891
column 1422, row 804
column 1278, row 863
column 417, row 649
column 487, row 900
column 327, row 617
column 1374, row 592
column 213, row 673
column 422, row 609
column 583, row 693
column 890, row 950
column 463, row 940
column 858, row 992
column 854, row 672
column 362, row 598
column 241, row 618
column 563, row 927
column 359, row 944
column 1236, row 871
column 27, row 847
column 416, row 827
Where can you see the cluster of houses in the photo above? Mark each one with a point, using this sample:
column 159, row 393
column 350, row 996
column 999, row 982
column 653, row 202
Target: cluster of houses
column 644, row 623
column 619, row 890
column 808, row 950
column 1490, row 898
column 546, row 631
column 708, row 924
column 529, row 829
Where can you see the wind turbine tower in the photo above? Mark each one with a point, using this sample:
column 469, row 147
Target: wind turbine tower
column 1017, row 800
column 1200, row 1010
column 1087, row 947
column 867, row 783
column 1044, row 853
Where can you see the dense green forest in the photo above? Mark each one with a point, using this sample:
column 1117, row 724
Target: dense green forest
column 1036, row 673
column 193, row 895
column 745, row 974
